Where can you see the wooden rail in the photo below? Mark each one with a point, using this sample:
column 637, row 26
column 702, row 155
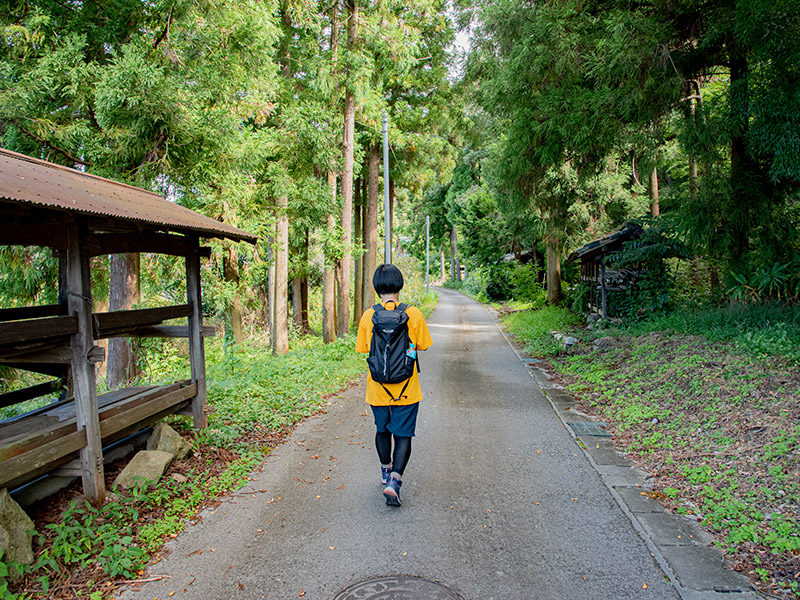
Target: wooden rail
column 33, row 330
column 25, row 456
column 31, row 312
column 125, row 322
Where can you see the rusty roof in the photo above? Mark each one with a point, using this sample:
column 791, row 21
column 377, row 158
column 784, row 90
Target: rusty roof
column 45, row 184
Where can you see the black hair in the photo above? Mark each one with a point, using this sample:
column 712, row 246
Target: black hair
column 387, row 280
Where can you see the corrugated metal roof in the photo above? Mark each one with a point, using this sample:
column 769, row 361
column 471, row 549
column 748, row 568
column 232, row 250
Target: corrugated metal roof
column 627, row 232
column 46, row 184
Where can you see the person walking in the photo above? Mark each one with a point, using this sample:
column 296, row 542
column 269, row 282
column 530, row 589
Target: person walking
column 393, row 388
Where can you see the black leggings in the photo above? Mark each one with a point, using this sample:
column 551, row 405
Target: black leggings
column 402, row 450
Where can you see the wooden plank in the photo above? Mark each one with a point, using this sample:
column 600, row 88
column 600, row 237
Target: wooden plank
column 110, row 404
column 112, row 324
column 37, row 329
column 30, row 312
column 83, row 372
column 197, row 355
column 168, row 331
column 56, row 356
column 52, row 369
column 23, row 464
column 123, row 243
column 28, row 393
column 52, row 236
column 138, row 414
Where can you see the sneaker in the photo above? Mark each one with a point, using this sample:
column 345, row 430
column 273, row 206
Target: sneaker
column 392, row 492
column 385, row 473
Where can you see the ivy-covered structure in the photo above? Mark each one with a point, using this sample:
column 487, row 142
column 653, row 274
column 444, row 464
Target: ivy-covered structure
column 595, row 273
column 79, row 216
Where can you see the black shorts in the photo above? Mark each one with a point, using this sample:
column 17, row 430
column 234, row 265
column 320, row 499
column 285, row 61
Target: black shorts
column 400, row 420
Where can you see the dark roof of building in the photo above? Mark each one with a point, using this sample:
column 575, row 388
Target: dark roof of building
column 48, row 185
column 611, row 242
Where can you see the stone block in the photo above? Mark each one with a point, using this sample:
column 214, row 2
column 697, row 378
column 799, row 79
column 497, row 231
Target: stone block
column 14, row 527
column 149, row 465
column 166, row 439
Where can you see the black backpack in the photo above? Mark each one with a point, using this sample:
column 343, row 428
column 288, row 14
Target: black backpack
column 389, row 358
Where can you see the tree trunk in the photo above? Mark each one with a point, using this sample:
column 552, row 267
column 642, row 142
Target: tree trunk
column 281, row 344
column 230, row 269
column 329, row 273
column 553, row 269
column 694, row 97
column 329, row 279
column 652, row 189
column 304, row 324
column 124, row 292
column 297, row 303
column 371, row 225
column 441, row 262
column 348, row 148
column 453, row 253
column 271, row 290
column 358, row 295
column 742, row 167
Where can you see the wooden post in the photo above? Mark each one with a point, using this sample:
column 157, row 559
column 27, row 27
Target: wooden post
column 603, row 284
column 79, row 302
column 197, row 355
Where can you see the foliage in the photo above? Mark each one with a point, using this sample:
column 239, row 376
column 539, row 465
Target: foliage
column 766, row 330
column 534, row 327
column 253, row 392
column 682, row 403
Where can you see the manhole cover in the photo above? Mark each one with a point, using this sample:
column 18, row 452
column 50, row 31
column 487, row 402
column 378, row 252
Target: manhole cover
column 397, row 587
column 595, row 429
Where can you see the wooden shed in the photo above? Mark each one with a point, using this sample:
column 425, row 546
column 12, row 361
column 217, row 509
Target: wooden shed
column 79, row 216
column 594, row 258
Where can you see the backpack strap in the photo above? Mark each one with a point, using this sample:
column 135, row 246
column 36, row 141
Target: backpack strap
column 400, row 395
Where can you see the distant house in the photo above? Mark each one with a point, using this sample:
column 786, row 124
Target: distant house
column 594, row 271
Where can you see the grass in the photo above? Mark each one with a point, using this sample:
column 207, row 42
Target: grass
column 708, row 402
column 257, row 397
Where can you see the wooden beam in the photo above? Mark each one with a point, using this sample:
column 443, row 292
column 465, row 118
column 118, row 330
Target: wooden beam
column 48, row 453
column 29, row 455
column 52, row 236
column 37, row 329
column 30, row 312
column 138, row 414
column 123, row 243
column 28, row 393
column 168, row 331
column 197, row 355
column 83, row 374
column 121, row 322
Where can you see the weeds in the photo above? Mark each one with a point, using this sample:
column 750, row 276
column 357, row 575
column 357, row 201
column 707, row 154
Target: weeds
column 255, row 395
column 709, row 403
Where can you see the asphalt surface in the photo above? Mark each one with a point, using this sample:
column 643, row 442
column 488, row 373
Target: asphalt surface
column 499, row 500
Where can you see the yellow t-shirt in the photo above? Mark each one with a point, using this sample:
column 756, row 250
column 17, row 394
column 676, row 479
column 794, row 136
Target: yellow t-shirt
column 420, row 337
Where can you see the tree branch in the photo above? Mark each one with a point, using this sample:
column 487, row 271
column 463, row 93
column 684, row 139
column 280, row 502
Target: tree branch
column 165, row 33
column 47, row 144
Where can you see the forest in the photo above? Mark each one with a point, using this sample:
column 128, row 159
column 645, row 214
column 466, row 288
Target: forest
column 548, row 125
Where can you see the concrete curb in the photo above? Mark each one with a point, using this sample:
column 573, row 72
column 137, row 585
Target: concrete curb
column 681, row 548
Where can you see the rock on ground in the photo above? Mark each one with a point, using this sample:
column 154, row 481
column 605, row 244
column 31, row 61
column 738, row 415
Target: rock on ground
column 147, row 464
column 15, row 540
column 166, row 439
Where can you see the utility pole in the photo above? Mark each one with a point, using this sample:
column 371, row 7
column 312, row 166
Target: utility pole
column 387, row 218
column 427, row 255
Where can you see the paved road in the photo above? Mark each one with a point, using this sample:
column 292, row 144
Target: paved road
column 499, row 502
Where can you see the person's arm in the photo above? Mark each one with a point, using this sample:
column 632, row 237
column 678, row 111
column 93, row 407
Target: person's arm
column 422, row 336
column 362, row 338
